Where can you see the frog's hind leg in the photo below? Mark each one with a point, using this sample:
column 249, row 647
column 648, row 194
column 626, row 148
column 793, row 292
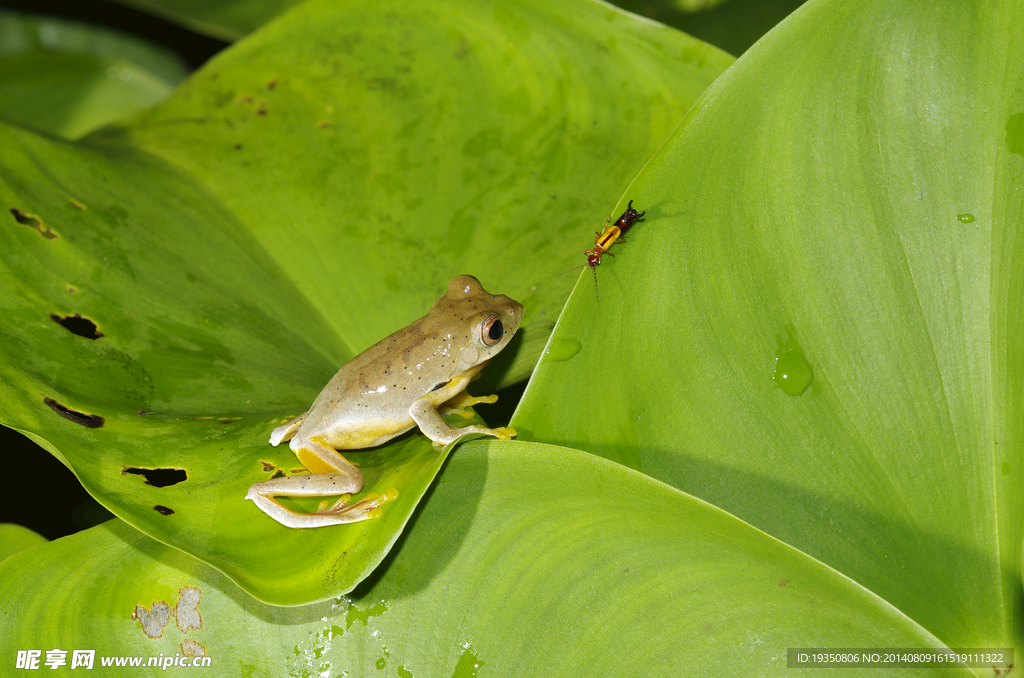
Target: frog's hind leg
column 286, row 431
column 330, row 475
column 318, row 485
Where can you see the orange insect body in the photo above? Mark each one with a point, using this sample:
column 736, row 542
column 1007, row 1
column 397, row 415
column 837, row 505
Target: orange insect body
column 612, row 234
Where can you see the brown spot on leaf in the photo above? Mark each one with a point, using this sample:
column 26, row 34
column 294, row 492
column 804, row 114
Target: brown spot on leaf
column 153, row 620
column 261, row 108
column 163, row 510
column 267, row 466
column 272, row 84
column 158, row 477
column 87, row 420
column 186, row 612
column 32, row 221
column 324, row 124
column 245, row 99
column 78, row 325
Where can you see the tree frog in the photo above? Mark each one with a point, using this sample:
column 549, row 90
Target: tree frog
column 391, row 387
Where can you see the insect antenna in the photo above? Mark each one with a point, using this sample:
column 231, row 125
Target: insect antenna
column 570, row 270
column 596, row 291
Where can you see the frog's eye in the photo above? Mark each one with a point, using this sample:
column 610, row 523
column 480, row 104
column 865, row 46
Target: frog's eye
column 491, row 330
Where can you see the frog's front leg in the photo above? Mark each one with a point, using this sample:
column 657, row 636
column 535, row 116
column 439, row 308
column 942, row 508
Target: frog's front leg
column 461, row 403
column 342, row 478
column 426, row 416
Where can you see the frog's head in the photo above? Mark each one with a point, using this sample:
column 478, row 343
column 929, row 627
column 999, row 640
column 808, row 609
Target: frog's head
column 485, row 322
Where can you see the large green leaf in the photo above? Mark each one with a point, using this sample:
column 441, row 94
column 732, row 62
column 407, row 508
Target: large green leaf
column 374, row 175
column 817, row 325
column 68, row 79
column 525, row 560
column 305, row 194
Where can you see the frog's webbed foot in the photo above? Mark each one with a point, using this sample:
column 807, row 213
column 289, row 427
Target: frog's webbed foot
column 429, row 419
column 286, row 431
column 459, row 404
column 317, row 485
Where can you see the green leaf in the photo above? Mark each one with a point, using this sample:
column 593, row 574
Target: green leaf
column 842, row 209
column 15, row 538
column 525, row 560
column 68, row 79
column 374, row 170
column 233, row 248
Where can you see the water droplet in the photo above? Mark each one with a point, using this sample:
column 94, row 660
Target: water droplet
column 381, row 664
column 966, row 217
column 793, row 374
column 560, row 350
column 1007, row 468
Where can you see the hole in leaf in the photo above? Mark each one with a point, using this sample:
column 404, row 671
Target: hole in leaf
column 87, row 420
column 32, row 221
column 163, row 510
column 158, row 477
column 76, row 324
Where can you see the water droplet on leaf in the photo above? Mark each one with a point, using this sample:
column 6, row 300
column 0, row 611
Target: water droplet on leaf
column 793, row 374
column 560, row 350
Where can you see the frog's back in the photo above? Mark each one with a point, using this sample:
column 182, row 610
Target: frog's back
column 367, row 401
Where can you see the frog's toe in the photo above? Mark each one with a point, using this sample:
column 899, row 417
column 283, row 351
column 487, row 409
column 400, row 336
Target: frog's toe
column 459, row 404
column 504, row 432
column 369, row 505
